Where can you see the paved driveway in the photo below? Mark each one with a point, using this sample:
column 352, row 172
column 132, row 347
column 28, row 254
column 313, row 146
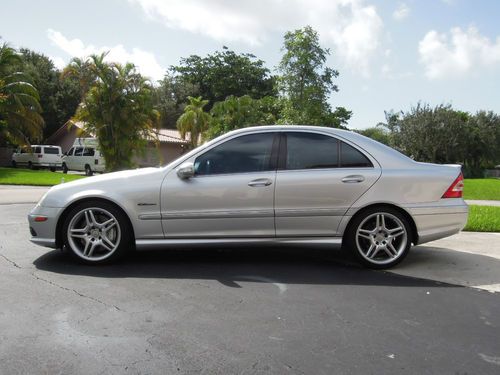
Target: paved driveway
column 254, row 311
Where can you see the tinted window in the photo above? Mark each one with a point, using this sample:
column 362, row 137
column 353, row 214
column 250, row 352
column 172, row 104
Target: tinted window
column 70, row 152
column 78, row 151
column 248, row 153
column 51, row 150
column 88, row 152
column 37, row 150
column 352, row 158
column 310, row 151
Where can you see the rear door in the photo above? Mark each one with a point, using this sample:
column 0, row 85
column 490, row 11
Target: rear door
column 52, row 155
column 319, row 177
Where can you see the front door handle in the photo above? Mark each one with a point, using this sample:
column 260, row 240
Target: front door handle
column 353, row 179
column 260, row 182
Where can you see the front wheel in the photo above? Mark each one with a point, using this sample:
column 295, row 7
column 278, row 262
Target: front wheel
column 97, row 232
column 64, row 168
column 380, row 237
column 88, row 170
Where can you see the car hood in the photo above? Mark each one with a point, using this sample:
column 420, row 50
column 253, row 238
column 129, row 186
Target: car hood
column 105, row 184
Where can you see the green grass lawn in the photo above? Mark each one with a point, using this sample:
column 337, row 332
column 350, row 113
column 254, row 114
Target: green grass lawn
column 482, row 188
column 15, row 176
column 483, row 219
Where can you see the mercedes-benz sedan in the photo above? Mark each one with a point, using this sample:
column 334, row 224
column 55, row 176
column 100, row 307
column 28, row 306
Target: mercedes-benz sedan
column 262, row 185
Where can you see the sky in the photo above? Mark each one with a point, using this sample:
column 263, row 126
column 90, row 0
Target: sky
column 391, row 55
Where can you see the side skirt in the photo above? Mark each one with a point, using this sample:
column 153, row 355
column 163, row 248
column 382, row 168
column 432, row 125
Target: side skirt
column 148, row 244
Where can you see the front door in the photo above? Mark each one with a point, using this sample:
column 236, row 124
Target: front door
column 319, row 177
column 230, row 195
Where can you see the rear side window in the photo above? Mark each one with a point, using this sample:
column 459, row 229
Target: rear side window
column 51, row 150
column 78, row 151
column 311, row 151
column 352, row 158
column 37, row 150
column 89, row 152
column 248, row 153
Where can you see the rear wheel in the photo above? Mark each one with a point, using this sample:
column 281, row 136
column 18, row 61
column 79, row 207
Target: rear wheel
column 52, row 169
column 14, row 164
column 380, row 237
column 30, row 165
column 97, row 232
column 88, row 170
column 64, row 168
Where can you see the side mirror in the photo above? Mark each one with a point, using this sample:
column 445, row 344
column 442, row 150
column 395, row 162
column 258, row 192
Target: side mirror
column 186, row 170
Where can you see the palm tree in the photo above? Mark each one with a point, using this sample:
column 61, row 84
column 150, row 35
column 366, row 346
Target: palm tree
column 118, row 108
column 20, row 118
column 194, row 120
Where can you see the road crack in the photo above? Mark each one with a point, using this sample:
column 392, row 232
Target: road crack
column 79, row 294
column 11, row 261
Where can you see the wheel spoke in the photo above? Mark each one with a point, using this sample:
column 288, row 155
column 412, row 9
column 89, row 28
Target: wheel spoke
column 382, row 222
column 398, row 233
column 392, row 250
column 377, row 223
column 92, row 217
column 110, row 243
column 107, row 244
column 368, row 237
column 370, row 253
column 87, row 247
column 92, row 247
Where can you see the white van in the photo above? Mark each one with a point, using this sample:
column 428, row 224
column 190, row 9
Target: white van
column 84, row 156
column 38, row 156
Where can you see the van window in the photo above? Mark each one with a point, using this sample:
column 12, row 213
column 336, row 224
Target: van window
column 70, row 152
column 89, row 152
column 78, row 151
column 37, row 150
column 51, row 150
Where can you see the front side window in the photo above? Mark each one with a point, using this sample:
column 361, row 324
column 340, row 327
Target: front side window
column 37, row 150
column 247, row 153
column 311, row 151
column 70, row 152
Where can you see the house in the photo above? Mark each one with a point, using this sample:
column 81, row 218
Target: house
column 170, row 144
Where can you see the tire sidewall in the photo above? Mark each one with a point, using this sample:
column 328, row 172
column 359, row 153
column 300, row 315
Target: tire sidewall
column 126, row 232
column 358, row 219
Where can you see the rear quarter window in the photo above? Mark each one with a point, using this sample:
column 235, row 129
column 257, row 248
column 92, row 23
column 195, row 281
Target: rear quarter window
column 352, row 158
column 51, row 150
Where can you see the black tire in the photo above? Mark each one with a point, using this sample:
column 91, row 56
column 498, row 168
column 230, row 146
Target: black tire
column 30, row 165
column 64, row 168
column 124, row 234
column 14, row 164
column 386, row 244
column 52, row 169
column 88, row 170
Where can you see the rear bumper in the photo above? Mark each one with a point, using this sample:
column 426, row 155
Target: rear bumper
column 439, row 220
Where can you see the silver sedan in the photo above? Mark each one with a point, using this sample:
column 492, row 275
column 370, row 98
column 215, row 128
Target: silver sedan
column 262, row 185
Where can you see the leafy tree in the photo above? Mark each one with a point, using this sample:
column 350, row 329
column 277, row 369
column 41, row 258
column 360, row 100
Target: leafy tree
column 226, row 73
column 234, row 113
column 20, row 120
column 306, row 83
column 118, row 109
column 171, row 98
column 59, row 96
column 194, row 120
column 378, row 133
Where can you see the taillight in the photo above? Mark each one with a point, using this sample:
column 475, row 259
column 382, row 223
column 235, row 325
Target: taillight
column 40, row 155
column 456, row 188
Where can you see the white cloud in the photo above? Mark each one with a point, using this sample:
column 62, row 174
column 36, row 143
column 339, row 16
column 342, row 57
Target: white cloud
column 458, row 53
column 351, row 27
column 145, row 61
column 58, row 61
column 401, row 12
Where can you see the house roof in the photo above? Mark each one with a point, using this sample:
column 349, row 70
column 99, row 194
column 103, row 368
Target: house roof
column 164, row 135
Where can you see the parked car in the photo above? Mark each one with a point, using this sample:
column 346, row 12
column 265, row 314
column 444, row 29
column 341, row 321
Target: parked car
column 84, row 156
column 278, row 185
column 38, row 156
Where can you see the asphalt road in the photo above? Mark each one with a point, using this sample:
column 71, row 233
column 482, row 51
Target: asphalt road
column 257, row 311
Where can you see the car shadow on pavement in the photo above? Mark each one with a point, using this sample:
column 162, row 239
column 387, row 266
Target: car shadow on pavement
column 229, row 266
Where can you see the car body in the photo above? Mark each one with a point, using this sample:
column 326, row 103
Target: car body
column 84, row 156
column 38, row 156
column 261, row 185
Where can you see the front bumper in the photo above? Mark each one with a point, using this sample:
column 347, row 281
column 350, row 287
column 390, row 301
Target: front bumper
column 43, row 233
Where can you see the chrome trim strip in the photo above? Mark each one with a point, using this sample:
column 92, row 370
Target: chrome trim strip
column 155, row 216
column 170, row 215
column 293, row 212
column 145, row 244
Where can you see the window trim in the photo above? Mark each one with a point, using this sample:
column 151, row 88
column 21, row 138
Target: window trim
column 273, row 159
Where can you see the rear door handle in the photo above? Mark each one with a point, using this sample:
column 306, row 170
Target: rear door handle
column 260, row 182
column 353, row 179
